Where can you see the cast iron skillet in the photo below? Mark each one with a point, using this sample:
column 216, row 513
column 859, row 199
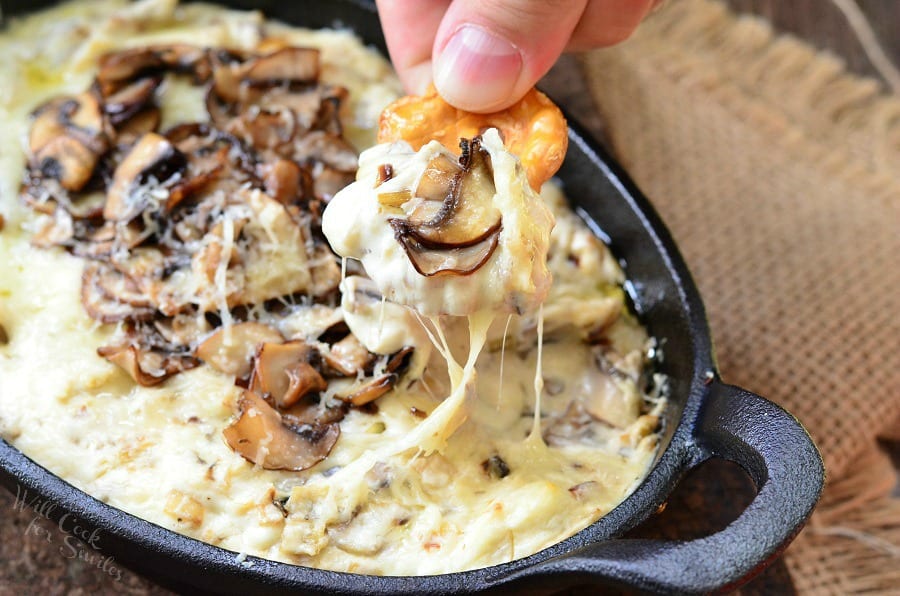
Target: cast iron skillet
column 705, row 418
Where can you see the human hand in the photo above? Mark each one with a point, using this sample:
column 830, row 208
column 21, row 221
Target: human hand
column 484, row 55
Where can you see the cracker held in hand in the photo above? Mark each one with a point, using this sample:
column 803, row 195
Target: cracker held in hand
column 533, row 128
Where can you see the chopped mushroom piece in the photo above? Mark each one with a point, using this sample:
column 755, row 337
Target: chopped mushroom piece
column 495, row 467
column 230, row 350
column 304, row 379
column 261, row 436
column 270, row 371
column 67, row 138
column 110, row 296
column 131, row 99
column 454, row 261
column 283, row 180
column 147, row 368
column 370, row 390
column 348, row 356
column 288, row 65
column 67, row 160
column 151, row 157
column 141, row 123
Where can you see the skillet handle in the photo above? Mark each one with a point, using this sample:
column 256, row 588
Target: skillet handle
column 772, row 446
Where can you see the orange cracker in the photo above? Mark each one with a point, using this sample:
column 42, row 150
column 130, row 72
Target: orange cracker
column 533, row 128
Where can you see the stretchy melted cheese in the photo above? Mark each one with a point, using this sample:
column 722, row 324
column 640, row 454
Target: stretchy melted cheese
column 384, row 501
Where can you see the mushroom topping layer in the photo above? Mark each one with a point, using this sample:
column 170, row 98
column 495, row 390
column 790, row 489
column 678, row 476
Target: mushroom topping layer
column 195, row 235
column 178, row 339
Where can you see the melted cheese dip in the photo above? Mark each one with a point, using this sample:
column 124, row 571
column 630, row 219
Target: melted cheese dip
column 378, row 503
column 515, row 278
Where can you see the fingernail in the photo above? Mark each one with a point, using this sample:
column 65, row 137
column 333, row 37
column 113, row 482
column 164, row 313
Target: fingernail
column 477, row 70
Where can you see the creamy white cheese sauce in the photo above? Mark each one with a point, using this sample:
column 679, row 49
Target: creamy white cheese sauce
column 398, row 494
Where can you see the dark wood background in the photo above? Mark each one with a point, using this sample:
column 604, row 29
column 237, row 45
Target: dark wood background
column 31, row 562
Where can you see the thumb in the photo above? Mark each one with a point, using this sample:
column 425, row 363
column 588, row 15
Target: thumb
column 489, row 53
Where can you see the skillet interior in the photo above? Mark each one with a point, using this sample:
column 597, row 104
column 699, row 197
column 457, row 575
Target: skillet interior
column 663, row 295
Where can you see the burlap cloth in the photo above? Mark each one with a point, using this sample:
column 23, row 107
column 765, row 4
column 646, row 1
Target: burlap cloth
column 779, row 176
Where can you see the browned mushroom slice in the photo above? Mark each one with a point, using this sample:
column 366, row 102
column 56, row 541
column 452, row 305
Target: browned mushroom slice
column 467, row 215
column 330, row 149
column 68, row 160
column 261, row 436
column 282, row 179
column 304, row 379
column 311, row 410
column 145, row 121
column 184, row 58
column 182, row 330
column 85, row 121
column 109, row 296
column 262, row 128
column 328, row 118
column 288, row 65
column 126, row 65
column 231, row 350
column 66, row 140
column 228, row 70
column 305, row 104
column 370, row 390
column 96, row 242
column 437, row 180
column 147, row 368
column 193, row 182
column 400, row 360
column 348, row 356
column 447, row 261
column 270, row 371
column 151, row 157
column 131, row 99
column 48, row 123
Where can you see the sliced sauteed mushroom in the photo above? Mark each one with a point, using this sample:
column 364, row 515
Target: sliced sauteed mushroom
column 264, row 438
column 110, row 297
column 348, row 356
column 459, row 234
column 230, row 350
column 278, row 372
column 147, row 368
column 67, row 138
column 286, row 66
column 151, row 157
column 141, row 123
column 454, row 261
column 370, row 390
column 131, row 99
column 284, row 180
column 120, row 67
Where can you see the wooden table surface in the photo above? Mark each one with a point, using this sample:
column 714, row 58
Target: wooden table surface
column 33, row 554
